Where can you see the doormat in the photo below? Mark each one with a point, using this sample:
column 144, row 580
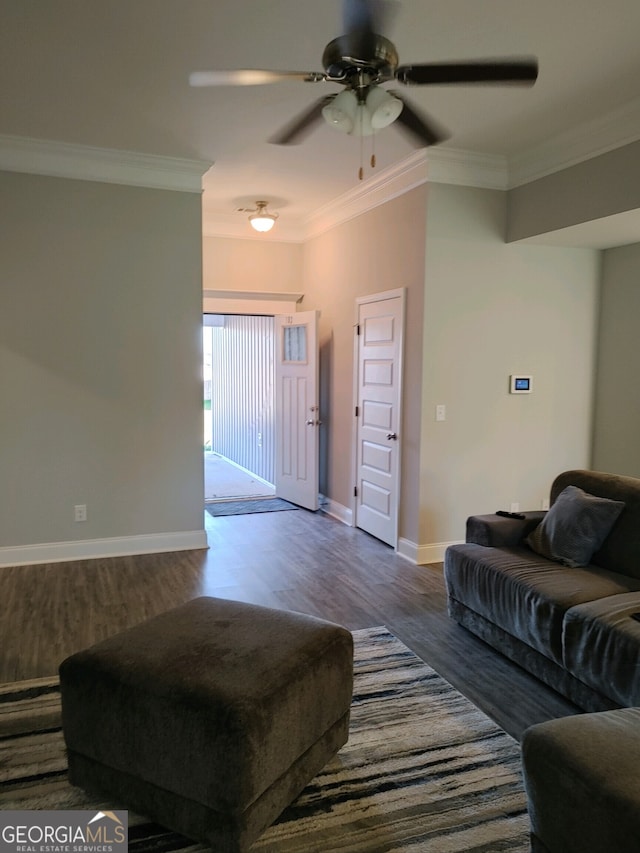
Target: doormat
column 218, row 508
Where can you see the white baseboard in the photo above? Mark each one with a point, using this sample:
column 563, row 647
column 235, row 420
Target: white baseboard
column 89, row 549
column 421, row 555
column 336, row 510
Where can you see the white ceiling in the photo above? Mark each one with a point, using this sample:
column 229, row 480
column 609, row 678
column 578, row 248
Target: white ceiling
column 114, row 74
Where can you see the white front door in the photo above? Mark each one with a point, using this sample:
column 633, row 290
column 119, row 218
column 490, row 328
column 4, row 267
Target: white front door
column 380, row 320
column 297, row 408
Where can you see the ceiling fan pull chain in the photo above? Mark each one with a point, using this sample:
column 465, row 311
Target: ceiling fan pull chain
column 361, row 170
column 373, row 151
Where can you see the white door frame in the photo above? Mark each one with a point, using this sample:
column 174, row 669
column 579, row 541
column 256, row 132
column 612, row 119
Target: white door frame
column 362, row 300
column 270, row 303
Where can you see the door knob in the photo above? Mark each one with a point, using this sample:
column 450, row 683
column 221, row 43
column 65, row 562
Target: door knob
column 310, row 422
column 392, row 436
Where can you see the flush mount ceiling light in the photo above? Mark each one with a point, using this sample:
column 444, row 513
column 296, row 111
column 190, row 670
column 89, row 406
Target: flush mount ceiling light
column 261, row 220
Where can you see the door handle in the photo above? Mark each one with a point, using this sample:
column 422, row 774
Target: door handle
column 392, row 436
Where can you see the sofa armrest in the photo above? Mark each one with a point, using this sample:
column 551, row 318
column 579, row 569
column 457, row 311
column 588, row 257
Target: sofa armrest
column 496, row 531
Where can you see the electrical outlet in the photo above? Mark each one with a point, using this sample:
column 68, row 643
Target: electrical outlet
column 545, row 503
column 80, row 512
column 441, row 412
column 515, row 507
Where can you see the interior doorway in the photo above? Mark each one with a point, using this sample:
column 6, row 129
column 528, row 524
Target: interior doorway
column 239, row 419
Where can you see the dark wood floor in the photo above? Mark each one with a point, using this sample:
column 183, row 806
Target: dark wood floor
column 295, row 560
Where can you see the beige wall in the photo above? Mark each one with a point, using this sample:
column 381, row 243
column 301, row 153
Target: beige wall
column 100, row 360
column 493, row 309
column 484, row 309
column 377, row 251
column 616, row 446
column 235, row 264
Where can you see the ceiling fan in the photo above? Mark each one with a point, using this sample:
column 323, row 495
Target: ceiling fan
column 360, row 61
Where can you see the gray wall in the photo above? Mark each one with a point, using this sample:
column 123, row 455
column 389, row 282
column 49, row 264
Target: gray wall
column 100, row 360
column 493, row 309
column 616, row 444
column 100, row 355
column 599, row 187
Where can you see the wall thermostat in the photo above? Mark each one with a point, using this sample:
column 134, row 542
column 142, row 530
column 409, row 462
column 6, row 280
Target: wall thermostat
column 520, row 384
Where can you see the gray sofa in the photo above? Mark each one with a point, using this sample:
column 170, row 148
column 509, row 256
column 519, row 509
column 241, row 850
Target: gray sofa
column 570, row 626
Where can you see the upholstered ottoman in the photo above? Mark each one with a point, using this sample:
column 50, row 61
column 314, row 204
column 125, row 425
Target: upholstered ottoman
column 210, row 718
column 582, row 777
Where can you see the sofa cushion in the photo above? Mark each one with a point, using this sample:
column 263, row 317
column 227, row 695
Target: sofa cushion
column 575, row 527
column 619, row 551
column 601, row 646
column 525, row 594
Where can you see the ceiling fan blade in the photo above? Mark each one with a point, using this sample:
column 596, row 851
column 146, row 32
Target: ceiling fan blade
column 251, row 77
column 296, row 130
column 422, row 130
column 362, row 19
column 522, row 72
column 373, row 15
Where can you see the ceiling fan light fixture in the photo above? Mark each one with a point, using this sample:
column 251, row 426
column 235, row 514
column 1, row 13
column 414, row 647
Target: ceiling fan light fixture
column 261, row 220
column 383, row 107
column 341, row 112
column 362, row 123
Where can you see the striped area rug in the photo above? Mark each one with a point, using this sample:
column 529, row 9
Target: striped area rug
column 424, row 770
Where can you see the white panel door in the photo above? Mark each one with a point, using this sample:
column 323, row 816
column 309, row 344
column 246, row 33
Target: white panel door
column 378, row 410
column 297, row 408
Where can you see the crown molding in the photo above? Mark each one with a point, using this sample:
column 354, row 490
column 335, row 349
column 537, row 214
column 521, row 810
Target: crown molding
column 437, row 165
column 606, row 133
column 468, row 169
column 448, row 166
column 442, row 165
column 386, row 185
column 65, row 160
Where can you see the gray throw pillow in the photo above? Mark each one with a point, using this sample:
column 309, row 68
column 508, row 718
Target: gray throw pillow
column 575, row 527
